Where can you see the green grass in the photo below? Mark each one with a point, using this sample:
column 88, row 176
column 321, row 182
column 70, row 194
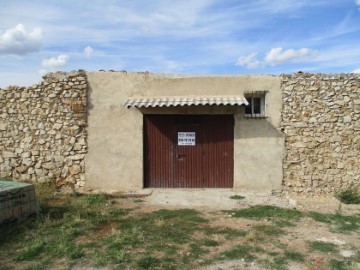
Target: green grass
column 340, row 265
column 210, row 243
column 280, row 261
column 237, row 197
column 285, row 217
column 238, row 252
column 93, row 228
column 267, row 211
column 294, row 256
column 323, row 247
column 341, row 223
column 147, row 262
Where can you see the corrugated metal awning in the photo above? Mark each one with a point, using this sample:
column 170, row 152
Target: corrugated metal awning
column 182, row 101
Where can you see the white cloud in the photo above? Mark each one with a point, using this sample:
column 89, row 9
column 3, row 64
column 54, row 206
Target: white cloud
column 358, row 69
column 249, row 61
column 88, row 51
column 276, row 56
column 357, row 2
column 280, row 56
column 19, row 41
column 54, row 63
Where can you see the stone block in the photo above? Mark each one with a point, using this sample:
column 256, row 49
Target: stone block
column 21, row 169
column 49, row 165
column 3, row 126
column 75, row 169
column 8, row 154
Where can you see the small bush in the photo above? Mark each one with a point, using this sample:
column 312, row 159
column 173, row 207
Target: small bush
column 350, row 195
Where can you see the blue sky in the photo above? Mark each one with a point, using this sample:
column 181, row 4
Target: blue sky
column 183, row 36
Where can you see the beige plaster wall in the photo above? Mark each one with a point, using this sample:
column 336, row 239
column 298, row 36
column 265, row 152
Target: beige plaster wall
column 258, row 154
column 115, row 134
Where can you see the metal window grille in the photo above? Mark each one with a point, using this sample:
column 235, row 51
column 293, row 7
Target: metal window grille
column 256, row 107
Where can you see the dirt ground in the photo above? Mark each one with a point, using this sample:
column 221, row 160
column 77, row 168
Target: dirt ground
column 219, row 199
column 297, row 238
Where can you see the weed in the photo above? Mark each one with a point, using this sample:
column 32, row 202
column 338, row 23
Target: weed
column 322, row 246
column 350, row 195
column 237, row 197
column 137, row 200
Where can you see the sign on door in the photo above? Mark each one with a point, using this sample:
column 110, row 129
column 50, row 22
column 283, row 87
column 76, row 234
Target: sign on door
column 186, row 138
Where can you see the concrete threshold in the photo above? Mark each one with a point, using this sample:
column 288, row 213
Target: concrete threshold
column 212, row 198
column 137, row 193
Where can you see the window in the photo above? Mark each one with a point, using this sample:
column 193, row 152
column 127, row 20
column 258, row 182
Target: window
column 256, row 107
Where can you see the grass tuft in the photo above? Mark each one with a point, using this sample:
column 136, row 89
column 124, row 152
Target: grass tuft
column 343, row 224
column 267, row 211
column 237, row 197
column 210, row 243
column 323, row 247
column 294, row 256
column 350, row 195
column 147, row 262
column 340, row 265
column 238, row 252
column 32, row 251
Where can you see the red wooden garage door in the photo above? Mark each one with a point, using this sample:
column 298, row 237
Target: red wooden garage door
column 189, row 151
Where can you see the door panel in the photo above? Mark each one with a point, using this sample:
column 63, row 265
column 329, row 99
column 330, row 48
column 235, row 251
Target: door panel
column 174, row 159
column 188, row 156
column 218, row 148
column 158, row 152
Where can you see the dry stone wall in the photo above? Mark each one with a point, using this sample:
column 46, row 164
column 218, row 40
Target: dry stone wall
column 321, row 120
column 43, row 130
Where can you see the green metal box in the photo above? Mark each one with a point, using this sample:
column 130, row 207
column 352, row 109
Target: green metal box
column 17, row 201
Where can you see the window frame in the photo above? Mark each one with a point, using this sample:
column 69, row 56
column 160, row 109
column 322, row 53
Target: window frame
column 250, row 97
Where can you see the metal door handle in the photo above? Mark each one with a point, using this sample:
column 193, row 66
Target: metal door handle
column 180, row 155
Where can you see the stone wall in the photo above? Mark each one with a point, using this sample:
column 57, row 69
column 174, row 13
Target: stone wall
column 321, row 120
column 43, row 130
